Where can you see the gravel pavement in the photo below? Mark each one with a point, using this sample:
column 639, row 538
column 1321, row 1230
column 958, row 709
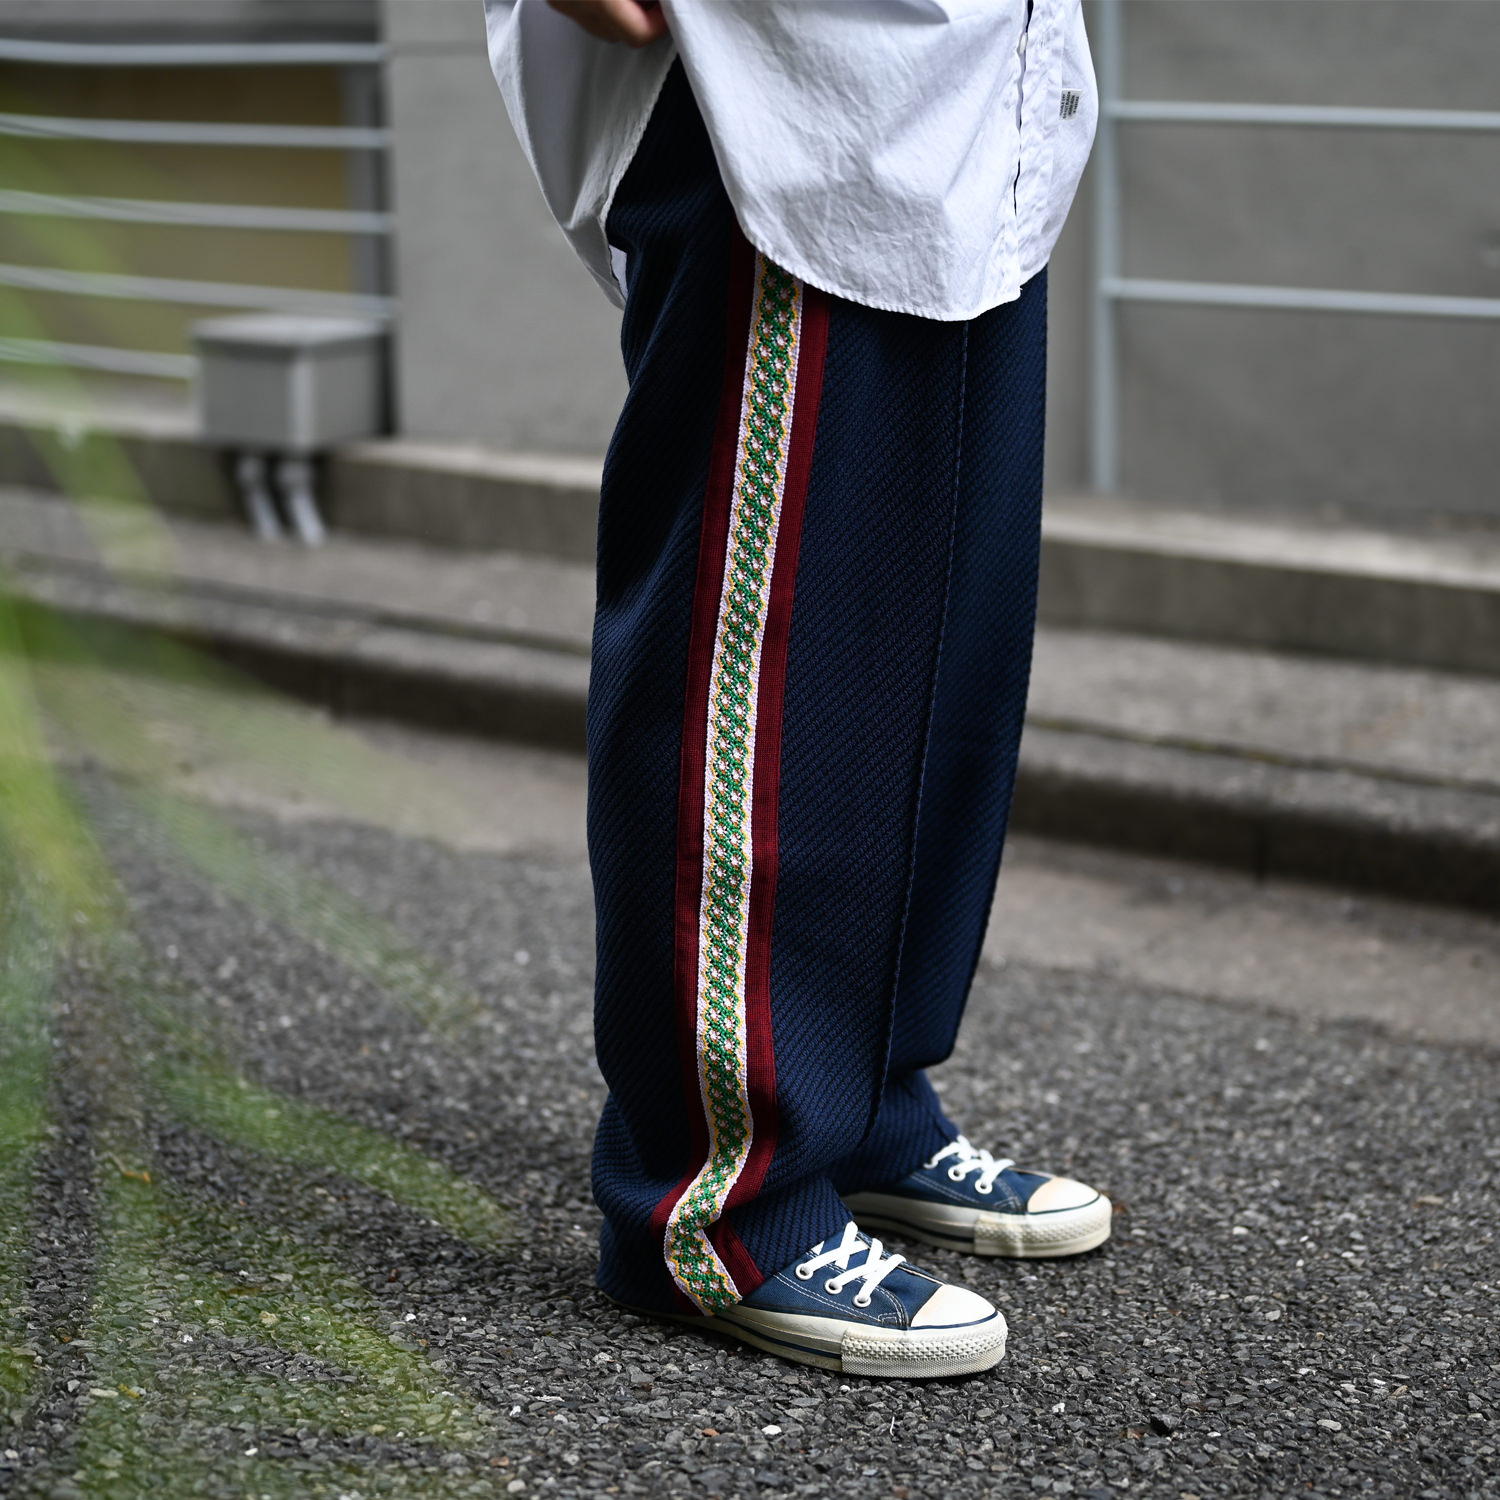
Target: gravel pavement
column 362, row 1264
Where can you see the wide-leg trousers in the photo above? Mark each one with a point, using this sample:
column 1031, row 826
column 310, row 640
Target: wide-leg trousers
column 817, row 564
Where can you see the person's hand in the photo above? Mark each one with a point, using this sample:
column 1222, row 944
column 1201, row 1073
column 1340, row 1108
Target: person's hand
column 634, row 22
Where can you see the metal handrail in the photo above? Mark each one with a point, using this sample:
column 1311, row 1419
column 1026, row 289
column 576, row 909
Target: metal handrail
column 196, row 133
column 191, row 293
column 1299, row 298
column 1104, row 401
column 1110, row 287
column 107, row 360
column 372, row 225
column 1329, row 116
column 191, row 54
column 196, row 215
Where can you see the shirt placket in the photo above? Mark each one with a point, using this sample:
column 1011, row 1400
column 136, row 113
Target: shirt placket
column 1005, row 257
column 1040, row 99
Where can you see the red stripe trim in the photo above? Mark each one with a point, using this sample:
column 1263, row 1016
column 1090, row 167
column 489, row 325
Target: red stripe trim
column 737, row 1261
column 713, row 542
column 766, row 792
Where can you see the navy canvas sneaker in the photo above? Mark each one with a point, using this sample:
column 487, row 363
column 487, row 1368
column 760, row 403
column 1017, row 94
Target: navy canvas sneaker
column 851, row 1307
column 964, row 1199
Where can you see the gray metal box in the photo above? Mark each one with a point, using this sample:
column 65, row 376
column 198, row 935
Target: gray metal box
column 289, row 384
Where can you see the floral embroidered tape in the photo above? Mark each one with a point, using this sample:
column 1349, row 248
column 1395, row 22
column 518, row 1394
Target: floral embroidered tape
column 724, row 907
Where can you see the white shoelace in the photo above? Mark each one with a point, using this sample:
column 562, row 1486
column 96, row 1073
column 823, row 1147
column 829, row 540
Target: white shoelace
column 875, row 1269
column 967, row 1159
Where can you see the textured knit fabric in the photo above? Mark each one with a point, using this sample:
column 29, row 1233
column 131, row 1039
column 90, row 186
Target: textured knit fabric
column 905, row 558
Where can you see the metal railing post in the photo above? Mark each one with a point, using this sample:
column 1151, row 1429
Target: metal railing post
column 1104, row 396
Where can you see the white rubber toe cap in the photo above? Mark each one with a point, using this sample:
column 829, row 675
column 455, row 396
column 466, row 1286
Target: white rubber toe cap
column 1058, row 1194
column 952, row 1307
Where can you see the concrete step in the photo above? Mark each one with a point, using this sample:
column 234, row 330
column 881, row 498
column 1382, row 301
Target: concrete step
column 1370, row 776
column 1285, row 584
column 446, row 494
column 1282, row 584
column 491, row 644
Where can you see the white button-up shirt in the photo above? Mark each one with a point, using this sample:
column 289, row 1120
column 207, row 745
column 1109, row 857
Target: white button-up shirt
column 917, row 155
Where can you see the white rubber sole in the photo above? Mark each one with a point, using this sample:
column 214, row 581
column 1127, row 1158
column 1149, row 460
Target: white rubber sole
column 858, row 1348
column 1041, row 1236
column 865, row 1349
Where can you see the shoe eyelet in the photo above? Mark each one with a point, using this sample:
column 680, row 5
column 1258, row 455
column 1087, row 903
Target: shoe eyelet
column 832, row 1287
column 956, row 1174
column 984, row 1187
column 803, row 1273
column 861, row 1301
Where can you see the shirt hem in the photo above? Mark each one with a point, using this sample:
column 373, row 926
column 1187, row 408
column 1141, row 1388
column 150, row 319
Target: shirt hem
column 804, row 270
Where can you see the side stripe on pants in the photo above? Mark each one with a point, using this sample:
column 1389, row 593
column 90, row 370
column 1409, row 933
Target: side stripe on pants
column 731, row 750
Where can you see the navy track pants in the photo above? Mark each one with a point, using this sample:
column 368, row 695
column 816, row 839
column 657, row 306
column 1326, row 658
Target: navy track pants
column 818, row 550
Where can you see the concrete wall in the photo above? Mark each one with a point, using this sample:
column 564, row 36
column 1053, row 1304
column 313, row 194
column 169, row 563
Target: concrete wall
column 503, row 339
column 1328, row 412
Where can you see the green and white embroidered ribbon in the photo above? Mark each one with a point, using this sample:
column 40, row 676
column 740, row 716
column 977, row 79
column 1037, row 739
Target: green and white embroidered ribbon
column 729, row 778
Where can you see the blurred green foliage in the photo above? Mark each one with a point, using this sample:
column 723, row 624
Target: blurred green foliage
column 175, row 1267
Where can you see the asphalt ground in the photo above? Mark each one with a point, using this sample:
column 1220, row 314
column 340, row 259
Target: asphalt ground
column 306, row 1212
